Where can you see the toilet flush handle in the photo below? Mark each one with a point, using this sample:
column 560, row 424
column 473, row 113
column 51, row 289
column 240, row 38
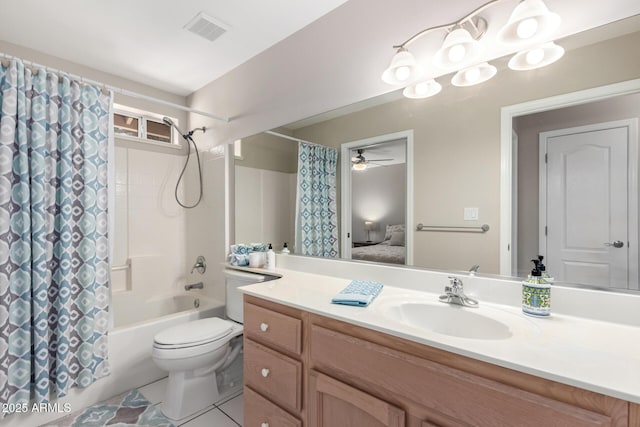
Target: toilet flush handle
column 264, row 327
column 265, row 372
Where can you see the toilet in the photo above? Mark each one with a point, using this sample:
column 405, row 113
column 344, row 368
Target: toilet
column 197, row 353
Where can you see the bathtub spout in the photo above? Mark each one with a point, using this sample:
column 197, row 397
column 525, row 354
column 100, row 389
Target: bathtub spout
column 198, row 285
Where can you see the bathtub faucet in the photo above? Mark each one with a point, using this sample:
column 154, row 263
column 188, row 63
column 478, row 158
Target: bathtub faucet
column 198, row 285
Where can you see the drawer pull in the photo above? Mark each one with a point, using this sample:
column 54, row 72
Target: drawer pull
column 265, row 372
column 264, row 425
column 263, row 328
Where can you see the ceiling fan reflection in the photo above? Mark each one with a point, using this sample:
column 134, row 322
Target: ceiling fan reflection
column 359, row 162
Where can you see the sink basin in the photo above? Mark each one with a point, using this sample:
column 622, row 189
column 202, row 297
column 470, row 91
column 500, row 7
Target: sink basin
column 455, row 320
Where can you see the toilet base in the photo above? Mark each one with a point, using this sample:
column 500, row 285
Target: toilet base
column 188, row 393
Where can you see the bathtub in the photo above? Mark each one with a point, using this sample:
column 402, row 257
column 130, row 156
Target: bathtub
column 136, row 320
column 134, row 310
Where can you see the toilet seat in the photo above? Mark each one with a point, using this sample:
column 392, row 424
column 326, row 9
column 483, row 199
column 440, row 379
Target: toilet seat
column 192, row 334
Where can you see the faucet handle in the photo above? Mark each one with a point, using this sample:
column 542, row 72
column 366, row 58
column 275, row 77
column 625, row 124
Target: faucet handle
column 454, row 286
column 454, row 281
column 200, row 265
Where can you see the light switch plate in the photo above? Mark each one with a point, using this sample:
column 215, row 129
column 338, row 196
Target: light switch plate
column 471, row 214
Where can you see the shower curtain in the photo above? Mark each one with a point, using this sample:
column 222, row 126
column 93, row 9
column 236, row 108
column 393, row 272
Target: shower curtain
column 54, row 276
column 316, row 208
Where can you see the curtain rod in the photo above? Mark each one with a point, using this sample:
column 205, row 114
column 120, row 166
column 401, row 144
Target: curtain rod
column 119, row 90
column 291, row 138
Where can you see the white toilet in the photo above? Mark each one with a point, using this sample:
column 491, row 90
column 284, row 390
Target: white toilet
column 194, row 353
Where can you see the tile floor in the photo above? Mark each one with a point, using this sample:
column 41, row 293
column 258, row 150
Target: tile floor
column 225, row 414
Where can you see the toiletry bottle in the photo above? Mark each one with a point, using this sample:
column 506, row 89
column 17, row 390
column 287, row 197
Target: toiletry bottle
column 285, row 249
column 536, row 293
column 543, row 271
column 271, row 259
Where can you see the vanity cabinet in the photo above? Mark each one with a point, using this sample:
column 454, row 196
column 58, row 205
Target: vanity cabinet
column 333, row 403
column 328, row 373
column 438, row 388
column 273, row 364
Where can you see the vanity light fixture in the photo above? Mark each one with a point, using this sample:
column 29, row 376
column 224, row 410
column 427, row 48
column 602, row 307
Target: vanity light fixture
column 403, row 68
column 530, row 22
column 474, row 75
column 422, row 89
column 536, row 57
column 458, row 48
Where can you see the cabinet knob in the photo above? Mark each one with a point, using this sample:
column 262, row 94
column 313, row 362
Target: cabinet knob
column 265, row 372
column 264, row 327
column 264, row 425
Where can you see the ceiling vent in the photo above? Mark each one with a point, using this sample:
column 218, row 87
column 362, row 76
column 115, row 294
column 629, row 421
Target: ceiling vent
column 206, row 27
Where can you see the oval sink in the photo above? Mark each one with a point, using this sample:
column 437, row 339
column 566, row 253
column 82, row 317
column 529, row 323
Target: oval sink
column 454, row 320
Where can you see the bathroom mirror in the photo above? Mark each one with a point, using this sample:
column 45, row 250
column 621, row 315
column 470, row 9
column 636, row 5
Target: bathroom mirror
column 457, row 159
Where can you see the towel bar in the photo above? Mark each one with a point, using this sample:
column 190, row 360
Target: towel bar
column 453, row 228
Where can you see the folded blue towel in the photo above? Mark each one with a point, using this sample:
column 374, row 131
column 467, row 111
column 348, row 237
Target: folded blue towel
column 359, row 293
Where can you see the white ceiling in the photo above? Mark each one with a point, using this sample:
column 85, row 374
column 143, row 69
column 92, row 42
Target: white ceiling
column 144, row 40
column 281, row 61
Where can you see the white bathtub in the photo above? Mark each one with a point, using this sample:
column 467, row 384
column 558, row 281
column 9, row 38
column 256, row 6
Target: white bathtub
column 137, row 320
column 132, row 310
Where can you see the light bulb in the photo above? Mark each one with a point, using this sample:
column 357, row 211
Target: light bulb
column 472, row 74
column 402, row 73
column 535, row 56
column 527, row 28
column 359, row 166
column 457, row 53
column 422, row 88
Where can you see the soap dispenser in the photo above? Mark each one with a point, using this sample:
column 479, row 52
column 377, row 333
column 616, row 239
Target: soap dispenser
column 536, row 293
column 543, row 271
column 271, row 259
column 285, row 249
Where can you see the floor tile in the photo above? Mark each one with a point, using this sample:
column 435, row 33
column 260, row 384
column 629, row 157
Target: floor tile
column 213, row 418
column 234, row 408
column 154, row 392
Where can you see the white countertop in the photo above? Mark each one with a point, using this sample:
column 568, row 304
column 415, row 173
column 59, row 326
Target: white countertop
column 599, row 356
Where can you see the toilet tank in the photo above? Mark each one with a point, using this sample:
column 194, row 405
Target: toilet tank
column 233, row 280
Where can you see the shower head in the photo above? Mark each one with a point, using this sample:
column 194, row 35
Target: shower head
column 170, row 122
column 185, row 135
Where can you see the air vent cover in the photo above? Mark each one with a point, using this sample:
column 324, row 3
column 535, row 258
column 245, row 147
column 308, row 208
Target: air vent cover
column 206, row 27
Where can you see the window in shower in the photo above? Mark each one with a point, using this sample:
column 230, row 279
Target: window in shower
column 124, row 124
column 141, row 126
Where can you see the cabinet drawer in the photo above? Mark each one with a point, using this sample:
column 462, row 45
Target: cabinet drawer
column 462, row 396
column 273, row 375
column 258, row 411
column 273, row 329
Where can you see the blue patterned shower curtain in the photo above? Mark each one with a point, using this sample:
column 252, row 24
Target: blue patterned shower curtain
column 54, row 273
column 316, row 207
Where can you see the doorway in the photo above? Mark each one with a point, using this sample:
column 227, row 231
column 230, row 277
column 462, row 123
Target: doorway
column 366, row 214
column 588, row 204
column 561, row 112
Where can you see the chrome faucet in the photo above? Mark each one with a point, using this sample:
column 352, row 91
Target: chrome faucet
column 200, row 265
column 474, row 269
column 454, row 294
column 198, row 285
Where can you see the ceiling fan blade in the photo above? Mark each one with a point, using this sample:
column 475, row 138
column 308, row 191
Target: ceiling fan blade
column 380, row 160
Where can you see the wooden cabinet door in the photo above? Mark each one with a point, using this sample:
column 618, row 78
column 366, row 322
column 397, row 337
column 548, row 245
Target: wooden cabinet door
column 335, row 404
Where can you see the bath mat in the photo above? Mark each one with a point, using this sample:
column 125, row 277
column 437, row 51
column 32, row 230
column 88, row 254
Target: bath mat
column 127, row 409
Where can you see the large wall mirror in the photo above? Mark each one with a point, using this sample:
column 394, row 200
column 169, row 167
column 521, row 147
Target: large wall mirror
column 456, row 168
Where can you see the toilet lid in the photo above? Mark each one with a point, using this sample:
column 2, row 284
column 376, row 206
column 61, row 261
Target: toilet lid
column 195, row 332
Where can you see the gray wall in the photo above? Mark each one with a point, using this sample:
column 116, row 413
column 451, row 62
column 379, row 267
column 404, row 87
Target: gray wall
column 379, row 195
